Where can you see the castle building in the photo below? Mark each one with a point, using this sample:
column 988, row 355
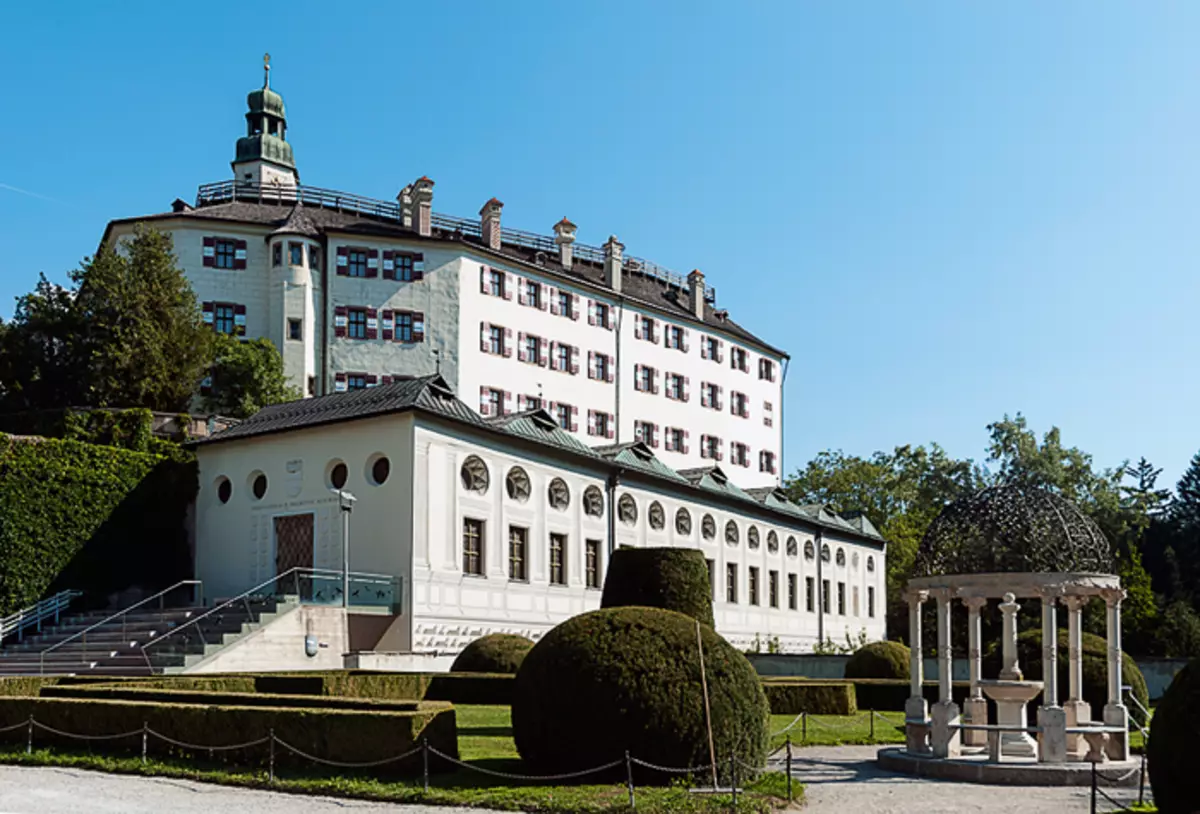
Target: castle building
column 357, row 292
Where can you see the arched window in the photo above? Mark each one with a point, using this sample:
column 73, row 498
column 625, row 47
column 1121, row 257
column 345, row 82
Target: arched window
column 593, row 502
column 708, row 527
column 825, row 552
column 752, row 537
column 793, row 547
column 731, row 533
column 517, row 484
column 559, row 494
column 656, row 516
column 683, row 522
column 474, row 473
column 772, row 542
column 810, row 550
column 841, row 556
column 627, row 509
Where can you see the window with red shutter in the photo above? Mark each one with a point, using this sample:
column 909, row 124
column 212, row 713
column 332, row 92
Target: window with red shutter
column 340, row 313
column 418, row 321
column 239, row 255
column 239, row 320
column 210, row 252
column 339, row 383
column 343, row 261
column 418, row 267
column 372, row 263
column 387, row 324
column 372, row 323
column 389, row 265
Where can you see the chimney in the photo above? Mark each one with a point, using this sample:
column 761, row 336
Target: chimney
column 564, row 236
column 489, row 224
column 612, row 263
column 405, row 199
column 422, row 205
column 696, row 290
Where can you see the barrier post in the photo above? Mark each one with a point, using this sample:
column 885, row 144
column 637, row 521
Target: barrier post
column 733, row 780
column 29, row 740
column 629, row 779
column 804, row 727
column 1093, row 787
column 145, row 728
column 789, row 767
column 872, row 713
column 271, row 763
column 1142, row 779
column 425, row 763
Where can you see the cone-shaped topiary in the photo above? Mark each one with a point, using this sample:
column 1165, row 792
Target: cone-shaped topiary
column 1171, row 754
column 622, row 679
column 672, row 578
column 1095, row 670
column 879, row 660
column 494, row 653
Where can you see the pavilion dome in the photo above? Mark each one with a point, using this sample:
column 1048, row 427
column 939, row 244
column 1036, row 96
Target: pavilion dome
column 1010, row 529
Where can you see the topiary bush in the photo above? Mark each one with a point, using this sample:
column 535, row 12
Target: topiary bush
column 879, row 660
column 1171, row 754
column 622, row 679
column 1095, row 670
column 671, row 578
column 494, row 653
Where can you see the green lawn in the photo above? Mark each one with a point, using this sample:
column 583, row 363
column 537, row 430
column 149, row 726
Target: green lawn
column 835, row 730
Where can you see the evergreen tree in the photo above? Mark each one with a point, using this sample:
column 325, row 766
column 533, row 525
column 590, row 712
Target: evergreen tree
column 246, row 376
column 1185, row 508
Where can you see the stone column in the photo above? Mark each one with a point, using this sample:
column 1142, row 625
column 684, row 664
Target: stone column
column 1078, row 711
column 945, row 736
column 1115, row 713
column 1010, row 706
column 975, row 708
column 1052, row 718
column 1010, row 670
column 915, row 713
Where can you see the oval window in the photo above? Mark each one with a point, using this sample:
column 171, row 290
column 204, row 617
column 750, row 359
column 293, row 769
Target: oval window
column 559, row 494
column 627, row 510
column 593, row 502
column 772, row 542
column 380, row 470
column 518, row 485
column 656, row 516
column 224, row 490
column 337, row 475
column 708, row 527
column 474, row 475
column 752, row 537
column 683, row 522
column 260, row 486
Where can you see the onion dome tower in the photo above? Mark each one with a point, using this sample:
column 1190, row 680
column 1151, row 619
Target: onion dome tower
column 263, row 154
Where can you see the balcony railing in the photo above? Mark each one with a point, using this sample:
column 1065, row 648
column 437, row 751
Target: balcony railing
column 254, row 192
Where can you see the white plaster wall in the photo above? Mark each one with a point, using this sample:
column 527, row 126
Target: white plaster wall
column 279, row 645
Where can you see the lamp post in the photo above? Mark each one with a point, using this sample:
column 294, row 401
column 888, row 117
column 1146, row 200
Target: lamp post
column 346, row 504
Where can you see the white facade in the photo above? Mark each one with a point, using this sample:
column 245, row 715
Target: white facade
column 236, row 249
column 413, row 526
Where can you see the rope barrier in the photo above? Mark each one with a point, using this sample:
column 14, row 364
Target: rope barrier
column 14, row 727
column 783, row 731
column 342, row 764
column 60, row 733
column 204, row 747
column 510, row 776
column 690, row 770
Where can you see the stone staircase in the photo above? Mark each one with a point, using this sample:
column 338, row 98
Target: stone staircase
column 115, row 648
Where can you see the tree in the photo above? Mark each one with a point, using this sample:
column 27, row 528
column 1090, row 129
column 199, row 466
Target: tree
column 1185, row 508
column 246, row 376
column 42, row 363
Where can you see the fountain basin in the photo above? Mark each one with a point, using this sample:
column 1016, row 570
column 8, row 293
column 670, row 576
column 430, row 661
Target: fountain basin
column 1011, row 698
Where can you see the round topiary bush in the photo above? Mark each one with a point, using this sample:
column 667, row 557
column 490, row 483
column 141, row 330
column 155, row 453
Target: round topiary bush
column 494, row 653
column 1095, row 670
column 879, row 660
column 622, row 679
column 1171, row 755
column 671, row 578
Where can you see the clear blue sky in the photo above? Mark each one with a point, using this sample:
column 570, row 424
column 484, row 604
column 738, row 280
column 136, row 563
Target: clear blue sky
column 945, row 211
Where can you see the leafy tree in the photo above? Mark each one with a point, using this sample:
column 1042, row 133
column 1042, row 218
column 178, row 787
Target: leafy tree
column 41, row 359
column 246, row 376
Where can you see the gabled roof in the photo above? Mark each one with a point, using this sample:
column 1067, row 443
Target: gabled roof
column 636, row 455
column 298, row 222
column 714, row 479
column 860, row 521
column 538, row 425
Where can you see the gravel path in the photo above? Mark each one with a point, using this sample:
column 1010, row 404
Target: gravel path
column 75, row 791
column 845, row 779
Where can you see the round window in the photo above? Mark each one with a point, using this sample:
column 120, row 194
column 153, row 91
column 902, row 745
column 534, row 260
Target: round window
column 260, row 486
column 627, row 510
column 337, row 475
column 656, row 516
column 752, row 537
column 224, row 490
column 518, row 485
column 380, row 470
column 559, row 494
column 593, row 502
column 708, row 527
column 683, row 522
column 474, row 475
column 731, row 533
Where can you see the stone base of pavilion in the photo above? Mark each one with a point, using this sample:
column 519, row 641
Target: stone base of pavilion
column 976, row 768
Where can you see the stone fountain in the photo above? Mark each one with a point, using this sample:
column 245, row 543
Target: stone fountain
column 1010, row 691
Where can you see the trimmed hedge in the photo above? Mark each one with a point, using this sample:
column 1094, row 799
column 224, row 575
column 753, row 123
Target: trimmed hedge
column 1171, row 754
column 788, row 697
column 26, row 686
column 130, row 429
column 622, row 679
column 494, row 653
column 228, row 699
column 671, row 578
column 93, row 518
column 880, row 660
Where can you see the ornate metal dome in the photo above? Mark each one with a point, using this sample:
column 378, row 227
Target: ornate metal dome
column 1013, row 529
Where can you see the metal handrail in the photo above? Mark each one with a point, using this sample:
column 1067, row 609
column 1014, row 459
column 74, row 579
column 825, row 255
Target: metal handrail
column 1143, row 729
column 37, row 613
column 244, row 599
column 121, row 613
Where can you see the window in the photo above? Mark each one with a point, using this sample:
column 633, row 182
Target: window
column 474, row 474
column 496, row 340
column 710, row 447
column 518, row 485
column 673, row 439
column 768, row 414
column 753, row 578
column 404, row 267
column 809, row 600
column 259, row 487
column 224, row 490
column 600, row 424
column 592, row 565
column 708, row 527
column 472, row 546
column 792, row 599
column 559, row 494
column 357, row 263
column 870, row 564
column 841, row 557
column 601, row 366
column 533, row 350
column 711, row 395
column 752, row 538
column 675, row 387
column 496, row 283
column 533, row 294
column 841, row 599
column 380, row 470
column 711, row 348
column 825, row 552
column 518, row 545
column 731, row 583
column 732, row 536
column 825, row 595
column 656, row 516
column 562, row 354
column 558, row 559
column 809, row 550
column 593, row 502
column 314, row 257
column 646, row 432
column 495, row 399
column 356, row 381
column 338, row 475
column 356, row 324
column 673, row 338
column 404, row 326
column 566, row 304
column 225, row 253
column 603, row 315
column 627, row 509
column 295, row 329
column 739, row 360
column 223, row 320
column 277, row 255
column 773, row 589
column 712, row 578
column 533, row 402
column 644, row 380
column 296, row 254
column 565, row 413
column 648, row 329
column 683, row 522
column 854, row 606
column 871, row 601
column 772, row 542
column 739, row 404
column 739, row 454
column 766, row 370
column 766, row 461
column 793, row 548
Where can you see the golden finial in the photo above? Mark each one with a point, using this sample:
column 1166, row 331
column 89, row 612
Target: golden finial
column 266, row 70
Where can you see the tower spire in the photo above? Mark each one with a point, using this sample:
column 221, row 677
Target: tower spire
column 263, row 154
column 266, row 70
